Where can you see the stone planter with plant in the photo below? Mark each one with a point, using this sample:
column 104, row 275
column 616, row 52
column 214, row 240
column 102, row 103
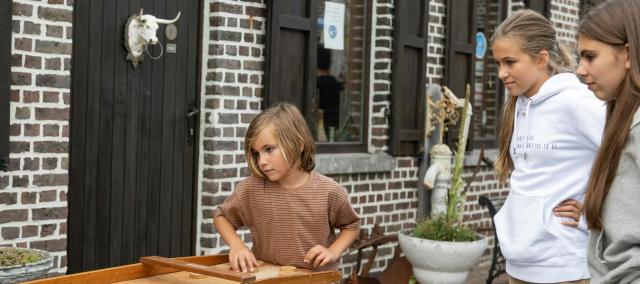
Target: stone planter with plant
column 21, row 264
column 441, row 248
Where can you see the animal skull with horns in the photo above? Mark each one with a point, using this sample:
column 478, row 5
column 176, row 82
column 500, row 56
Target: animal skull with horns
column 140, row 30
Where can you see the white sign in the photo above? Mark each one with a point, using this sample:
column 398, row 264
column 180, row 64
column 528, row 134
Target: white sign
column 333, row 31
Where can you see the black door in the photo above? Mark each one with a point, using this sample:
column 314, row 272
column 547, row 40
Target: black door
column 132, row 160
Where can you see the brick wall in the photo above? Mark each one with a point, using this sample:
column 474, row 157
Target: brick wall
column 33, row 194
column 232, row 97
column 234, row 46
column 565, row 17
column 33, row 203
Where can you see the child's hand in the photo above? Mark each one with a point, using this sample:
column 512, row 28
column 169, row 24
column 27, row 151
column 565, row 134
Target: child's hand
column 242, row 259
column 569, row 208
column 320, row 256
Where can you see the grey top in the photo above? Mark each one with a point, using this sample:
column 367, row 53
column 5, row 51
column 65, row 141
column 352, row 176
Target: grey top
column 614, row 252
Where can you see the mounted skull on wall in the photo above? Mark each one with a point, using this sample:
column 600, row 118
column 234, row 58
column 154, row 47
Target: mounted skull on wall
column 140, row 31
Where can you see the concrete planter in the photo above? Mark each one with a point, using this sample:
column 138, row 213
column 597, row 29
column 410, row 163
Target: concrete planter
column 26, row 272
column 439, row 261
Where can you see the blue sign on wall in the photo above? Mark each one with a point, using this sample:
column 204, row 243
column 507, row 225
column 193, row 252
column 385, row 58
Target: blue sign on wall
column 481, row 45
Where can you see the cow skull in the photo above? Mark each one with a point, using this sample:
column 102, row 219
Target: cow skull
column 140, row 30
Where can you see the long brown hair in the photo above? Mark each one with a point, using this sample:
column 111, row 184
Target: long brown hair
column 291, row 133
column 535, row 33
column 615, row 23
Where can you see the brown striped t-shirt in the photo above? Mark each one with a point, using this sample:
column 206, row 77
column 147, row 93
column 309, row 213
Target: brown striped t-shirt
column 286, row 223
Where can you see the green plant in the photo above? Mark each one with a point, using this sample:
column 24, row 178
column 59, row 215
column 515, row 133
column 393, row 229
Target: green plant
column 448, row 226
column 441, row 228
column 16, row 256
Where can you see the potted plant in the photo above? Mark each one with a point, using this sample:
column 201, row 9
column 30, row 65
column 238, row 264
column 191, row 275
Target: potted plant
column 22, row 264
column 442, row 249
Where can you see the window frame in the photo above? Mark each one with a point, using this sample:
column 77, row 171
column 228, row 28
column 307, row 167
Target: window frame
column 308, row 100
column 5, row 79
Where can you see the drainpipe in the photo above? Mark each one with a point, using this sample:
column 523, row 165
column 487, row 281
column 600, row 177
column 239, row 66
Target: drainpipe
column 434, row 92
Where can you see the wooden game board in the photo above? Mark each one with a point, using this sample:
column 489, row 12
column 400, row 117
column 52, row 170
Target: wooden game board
column 191, row 270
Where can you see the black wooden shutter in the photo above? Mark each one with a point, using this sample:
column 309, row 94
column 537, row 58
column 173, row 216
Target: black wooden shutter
column 541, row 6
column 409, row 69
column 291, row 54
column 460, row 55
column 5, row 80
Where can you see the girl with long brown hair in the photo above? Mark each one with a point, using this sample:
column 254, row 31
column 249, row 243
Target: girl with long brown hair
column 609, row 49
column 550, row 131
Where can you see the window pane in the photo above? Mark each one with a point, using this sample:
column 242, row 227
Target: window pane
column 340, row 72
column 486, row 104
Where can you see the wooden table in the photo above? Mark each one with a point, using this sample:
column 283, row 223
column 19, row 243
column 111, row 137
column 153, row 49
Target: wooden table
column 192, row 270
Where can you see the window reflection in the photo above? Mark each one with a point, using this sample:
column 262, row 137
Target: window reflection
column 340, row 73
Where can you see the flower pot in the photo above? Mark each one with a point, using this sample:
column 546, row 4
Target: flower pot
column 26, row 272
column 441, row 261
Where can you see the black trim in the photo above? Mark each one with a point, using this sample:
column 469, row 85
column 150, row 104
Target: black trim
column 5, row 80
column 408, row 77
column 460, row 59
column 541, row 6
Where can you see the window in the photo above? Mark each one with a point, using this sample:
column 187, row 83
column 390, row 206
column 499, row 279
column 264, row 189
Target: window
column 319, row 64
column 489, row 92
column 5, row 80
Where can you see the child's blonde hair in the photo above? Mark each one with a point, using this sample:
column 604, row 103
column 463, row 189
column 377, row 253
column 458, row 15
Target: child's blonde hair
column 291, row 133
column 535, row 33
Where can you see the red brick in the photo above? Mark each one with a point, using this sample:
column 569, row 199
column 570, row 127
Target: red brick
column 47, row 230
column 15, row 215
column 28, row 197
column 51, row 245
column 10, row 233
column 23, row 44
column 8, row 198
column 29, row 231
column 48, row 195
column 50, row 180
column 49, row 213
column 31, row 130
column 51, row 130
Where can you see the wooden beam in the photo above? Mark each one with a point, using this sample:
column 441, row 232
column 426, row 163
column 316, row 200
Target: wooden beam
column 198, row 268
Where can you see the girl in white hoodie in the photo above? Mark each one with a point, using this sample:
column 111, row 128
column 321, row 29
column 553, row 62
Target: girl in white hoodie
column 550, row 131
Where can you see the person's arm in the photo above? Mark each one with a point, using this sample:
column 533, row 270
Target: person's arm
column 240, row 257
column 321, row 256
column 591, row 116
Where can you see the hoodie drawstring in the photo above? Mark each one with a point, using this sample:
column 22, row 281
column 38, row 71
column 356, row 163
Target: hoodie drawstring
column 525, row 138
column 526, row 127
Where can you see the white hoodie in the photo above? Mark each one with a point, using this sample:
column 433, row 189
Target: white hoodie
column 556, row 135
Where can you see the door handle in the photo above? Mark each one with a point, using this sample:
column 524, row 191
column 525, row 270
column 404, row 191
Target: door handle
column 192, row 114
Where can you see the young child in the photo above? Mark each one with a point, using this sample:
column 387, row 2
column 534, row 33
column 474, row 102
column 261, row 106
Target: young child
column 609, row 48
column 550, row 131
column 290, row 209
